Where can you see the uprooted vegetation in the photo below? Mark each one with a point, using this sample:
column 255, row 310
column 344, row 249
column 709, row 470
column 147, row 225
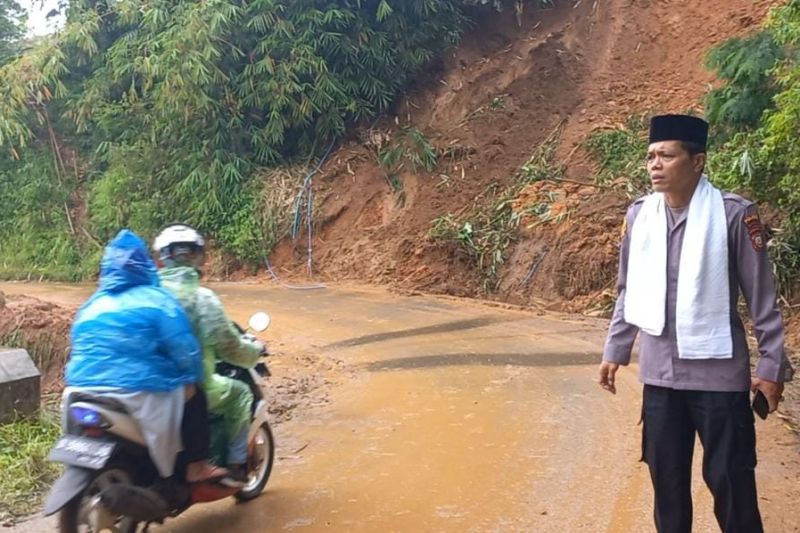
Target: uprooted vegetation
column 486, row 231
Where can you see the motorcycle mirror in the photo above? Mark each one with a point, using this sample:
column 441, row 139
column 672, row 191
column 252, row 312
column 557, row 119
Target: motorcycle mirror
column 259, row 321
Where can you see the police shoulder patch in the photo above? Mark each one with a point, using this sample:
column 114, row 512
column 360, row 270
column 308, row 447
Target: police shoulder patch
column 738, row 200
column 755, row 229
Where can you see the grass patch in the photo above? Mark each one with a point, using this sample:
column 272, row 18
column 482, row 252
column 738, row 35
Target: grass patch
column 620, row 154
column 25, row 473
column 20, row 267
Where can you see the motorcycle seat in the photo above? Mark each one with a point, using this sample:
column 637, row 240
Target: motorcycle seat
column 104, row 401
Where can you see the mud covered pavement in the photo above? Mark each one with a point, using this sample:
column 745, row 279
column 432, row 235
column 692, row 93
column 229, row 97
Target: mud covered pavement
column 423, row 414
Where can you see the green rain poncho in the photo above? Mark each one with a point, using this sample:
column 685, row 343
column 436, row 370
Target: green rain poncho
column 227, row 397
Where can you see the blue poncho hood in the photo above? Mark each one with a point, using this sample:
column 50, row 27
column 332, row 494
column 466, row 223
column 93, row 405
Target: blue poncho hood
column 126, row 263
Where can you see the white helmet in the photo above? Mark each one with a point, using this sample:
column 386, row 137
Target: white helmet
column 179, row 243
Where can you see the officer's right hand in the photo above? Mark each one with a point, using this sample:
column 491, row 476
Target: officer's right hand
column 608, row 372
column 772, row 391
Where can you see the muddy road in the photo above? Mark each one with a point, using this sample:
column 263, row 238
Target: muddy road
column 432, row 414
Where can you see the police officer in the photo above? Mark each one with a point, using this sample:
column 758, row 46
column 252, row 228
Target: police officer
column 687, row 252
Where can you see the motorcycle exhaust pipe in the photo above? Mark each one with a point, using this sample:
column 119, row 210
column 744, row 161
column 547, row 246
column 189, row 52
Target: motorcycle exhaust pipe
column 137, row 503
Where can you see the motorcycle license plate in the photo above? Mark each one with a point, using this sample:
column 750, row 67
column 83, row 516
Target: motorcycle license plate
column 82, row 451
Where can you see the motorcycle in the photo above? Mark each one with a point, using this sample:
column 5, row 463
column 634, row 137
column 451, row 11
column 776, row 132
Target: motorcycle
column 110, row 483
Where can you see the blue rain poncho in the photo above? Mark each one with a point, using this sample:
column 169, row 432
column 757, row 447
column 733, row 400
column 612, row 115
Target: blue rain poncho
column 132, row 334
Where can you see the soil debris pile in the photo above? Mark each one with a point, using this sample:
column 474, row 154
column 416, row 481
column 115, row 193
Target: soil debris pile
column 42, row 328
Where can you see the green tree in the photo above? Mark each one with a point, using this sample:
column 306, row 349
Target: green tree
column 173, row 108
column 745, row 65
column 175, row 104
column 12, row 29
column 762, row 153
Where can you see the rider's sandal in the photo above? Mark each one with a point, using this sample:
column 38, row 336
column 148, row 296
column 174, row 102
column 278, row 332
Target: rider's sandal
column 214, row 474
column 237, row 476
column 231, row 483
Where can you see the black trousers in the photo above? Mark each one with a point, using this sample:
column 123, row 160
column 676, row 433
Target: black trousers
column 195, row 428
column 724, row 421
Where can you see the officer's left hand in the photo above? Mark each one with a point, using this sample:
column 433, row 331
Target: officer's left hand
column 772, row 391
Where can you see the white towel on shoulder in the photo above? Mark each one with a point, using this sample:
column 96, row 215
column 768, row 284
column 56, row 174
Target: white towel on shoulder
column 703, row 321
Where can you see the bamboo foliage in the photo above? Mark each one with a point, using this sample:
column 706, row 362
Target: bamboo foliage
column 758, row 108
column 175, row 105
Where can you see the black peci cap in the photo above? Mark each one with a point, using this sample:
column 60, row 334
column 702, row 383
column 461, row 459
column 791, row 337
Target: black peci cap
column 679, row 128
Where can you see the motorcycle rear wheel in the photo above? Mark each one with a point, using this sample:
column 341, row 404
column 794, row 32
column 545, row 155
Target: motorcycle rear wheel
column 261, row 468
column 73, row 517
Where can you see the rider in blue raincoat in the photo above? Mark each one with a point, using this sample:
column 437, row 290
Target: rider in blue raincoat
column 132, row 340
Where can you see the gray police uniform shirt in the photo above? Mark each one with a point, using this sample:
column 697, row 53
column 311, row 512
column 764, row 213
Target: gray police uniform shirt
column 750, row 271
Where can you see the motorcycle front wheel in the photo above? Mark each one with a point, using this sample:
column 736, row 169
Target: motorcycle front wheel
column 260, row 464
column 84, row 510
